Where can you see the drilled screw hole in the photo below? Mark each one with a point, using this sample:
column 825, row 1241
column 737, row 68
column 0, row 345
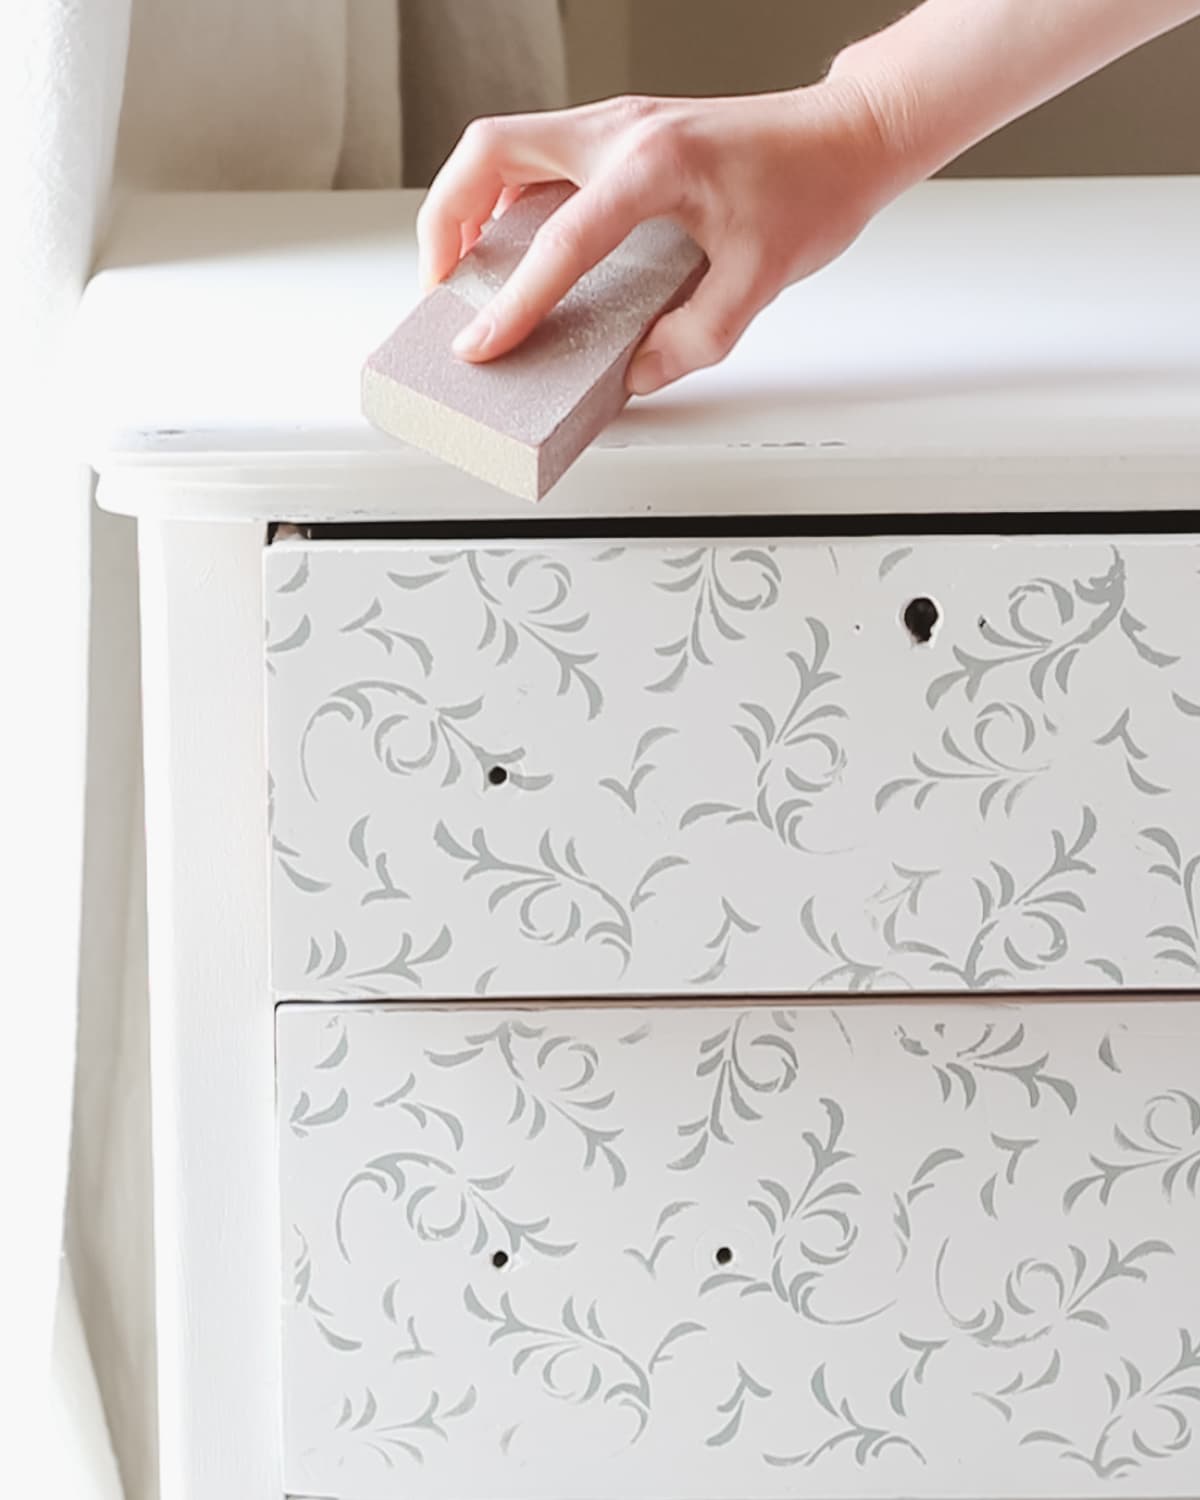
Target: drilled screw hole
column 500, row 1259
column 920, row 617
column 497, row 775
column 723, row 1256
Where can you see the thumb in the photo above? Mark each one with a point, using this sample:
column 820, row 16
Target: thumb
column 700, row 333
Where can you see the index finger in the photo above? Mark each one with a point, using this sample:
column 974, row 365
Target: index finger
column 491, row 155
column 576, row 237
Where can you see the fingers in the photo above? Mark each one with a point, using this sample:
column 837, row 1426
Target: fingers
column 494, row 158
column 590, row 225
column 506, row 200
column 700, row 333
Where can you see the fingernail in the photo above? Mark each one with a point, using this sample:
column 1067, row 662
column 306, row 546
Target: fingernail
column 474, row 338
column 647, row 373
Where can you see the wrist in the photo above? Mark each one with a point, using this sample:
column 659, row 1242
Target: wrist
column 873, row 125
column 906, row 147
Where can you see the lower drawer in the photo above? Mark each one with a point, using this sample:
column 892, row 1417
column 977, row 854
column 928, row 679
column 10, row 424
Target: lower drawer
column 741, row 1251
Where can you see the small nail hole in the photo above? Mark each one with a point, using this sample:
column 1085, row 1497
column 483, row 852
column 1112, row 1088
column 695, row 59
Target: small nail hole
column 920, row 617
column 497, row 775
column 500, row 1259
column 723, row 1256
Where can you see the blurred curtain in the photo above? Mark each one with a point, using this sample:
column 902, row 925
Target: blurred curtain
column 462, row 59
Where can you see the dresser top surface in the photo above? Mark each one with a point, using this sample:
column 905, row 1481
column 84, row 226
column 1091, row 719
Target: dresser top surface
column 974, row 327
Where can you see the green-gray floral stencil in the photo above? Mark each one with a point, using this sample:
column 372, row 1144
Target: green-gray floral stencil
column 576, row 1361
column 1010, row 806
column 936, row 1241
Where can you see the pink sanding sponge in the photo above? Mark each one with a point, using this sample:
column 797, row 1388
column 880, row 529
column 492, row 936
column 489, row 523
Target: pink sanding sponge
column 520, row 421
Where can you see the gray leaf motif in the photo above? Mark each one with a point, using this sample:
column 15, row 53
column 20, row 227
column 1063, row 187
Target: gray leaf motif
column 914, row 1375
column 641, row 767
column 1049, row 624
column 1148, row 1420
column 293, row 641
column 338, row 954
column 286, row 857
column 1181, row 944
column 525, row 599
column 726, row 1057
column 922, row 1182
column 556, row 901
column 554, row 1078
column 441, row 1203
column 892, row 560
column 304, row 1118
column 851, row 973
column 302, row 1275
column 416, row 736
column 870, row 1440
column 815, row 1228
column 1186, row 706
column 413, row 1349
column 1023, row 929
column 704, row 578
column 960, row 1070
column 1001, row 764
column 721, row 943
column 1169, row 1147
column 1014, row 1151
column 1121, row 735
column 405, row 963
column 340, row 1050
column 422, row 1113
column 1008, row 1396
column 298, row 578
column 385, row 889
column 734, row 1406
column 576, row 1361
column 387, row 1440
column 663, row 1238
column 1041, row 1296
column 370, row 623
column 795, row 760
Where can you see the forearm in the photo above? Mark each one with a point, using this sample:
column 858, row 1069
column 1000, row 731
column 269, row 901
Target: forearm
column 952, row 71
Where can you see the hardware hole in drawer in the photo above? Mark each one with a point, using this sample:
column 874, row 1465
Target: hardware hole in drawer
column 920, row 619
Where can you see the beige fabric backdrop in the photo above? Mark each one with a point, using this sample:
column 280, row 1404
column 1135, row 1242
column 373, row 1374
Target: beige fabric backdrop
column 463, row 58
column 246, row 94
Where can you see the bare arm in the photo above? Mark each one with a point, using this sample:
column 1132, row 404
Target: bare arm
column 953, row 71
column 773, row 186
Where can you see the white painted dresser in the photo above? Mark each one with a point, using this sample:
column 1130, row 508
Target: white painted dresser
column 688, row 992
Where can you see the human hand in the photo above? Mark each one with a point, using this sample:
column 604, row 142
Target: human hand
column 771, row 186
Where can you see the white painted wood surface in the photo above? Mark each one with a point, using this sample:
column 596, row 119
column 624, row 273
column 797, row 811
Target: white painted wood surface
column 211, row 1028
column 746, row 1252
column 977, row 333
column 1007, row 347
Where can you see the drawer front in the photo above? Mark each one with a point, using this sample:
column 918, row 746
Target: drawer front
column 717, row 1251
column 588, row 768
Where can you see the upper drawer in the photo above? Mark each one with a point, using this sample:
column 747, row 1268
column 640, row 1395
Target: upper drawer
column 568, row 768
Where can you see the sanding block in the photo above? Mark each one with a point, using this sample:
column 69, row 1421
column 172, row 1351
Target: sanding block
column 521, row 420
